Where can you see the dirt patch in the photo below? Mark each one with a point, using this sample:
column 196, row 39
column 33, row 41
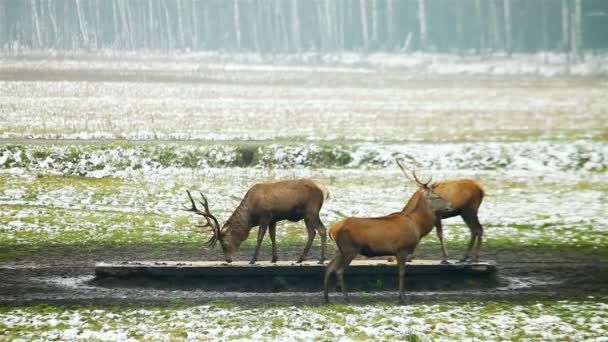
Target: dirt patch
column 65, row 275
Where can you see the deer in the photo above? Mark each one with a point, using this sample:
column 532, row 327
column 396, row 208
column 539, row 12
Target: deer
column 396, row 234
column 465, row 197
column 264, row 205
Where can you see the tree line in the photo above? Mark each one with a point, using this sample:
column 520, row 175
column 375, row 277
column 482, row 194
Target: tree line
column 274, row 26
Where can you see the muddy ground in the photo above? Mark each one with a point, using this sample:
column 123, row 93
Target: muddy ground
column 65, row 275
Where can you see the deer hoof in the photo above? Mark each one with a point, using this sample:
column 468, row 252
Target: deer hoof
column 274, row 260
column 252, row 262
column 300, row 261
column 444, row 262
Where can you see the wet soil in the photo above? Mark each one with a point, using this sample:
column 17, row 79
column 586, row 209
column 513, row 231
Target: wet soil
column 64, row 275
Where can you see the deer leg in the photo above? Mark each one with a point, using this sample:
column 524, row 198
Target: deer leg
column 412, row 255
column 272, row 231
column 344, row 262
column 328, row 271
column 311, row 237
column 401, row 258
column 261, row 233
column 479, row 234
column 470, row 218
column 444, row 252
column 320, row 228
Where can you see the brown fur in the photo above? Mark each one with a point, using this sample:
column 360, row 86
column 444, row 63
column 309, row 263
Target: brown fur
column 465, row 197
column 264, row 205
column 396, row 234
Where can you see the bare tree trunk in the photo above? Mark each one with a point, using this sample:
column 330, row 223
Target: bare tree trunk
column 481, row 27
column 494, row 25
column 320, row 9
column 36, row 40
column 576, row 30
column 565, row 26
column 390, row 33
column 180, row 24
column 508, row 30
column 129, row 17
column 51, row 11
column 543, row 24
column 255, row 28
column 115, row 21
column 82, row 24
column 460, row 26
column 422, row 24
column 195, row 27
column 375, row 21
column 295, row 26
column 4, row 36
column 281, row 26
column 169, row 43
column 331, row 24
column 98, row 26
column 364, row 30
column 237, row 23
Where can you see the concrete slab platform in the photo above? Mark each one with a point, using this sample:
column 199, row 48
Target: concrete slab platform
column 210, row 269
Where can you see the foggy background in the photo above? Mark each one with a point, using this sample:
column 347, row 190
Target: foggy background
column 294, row 26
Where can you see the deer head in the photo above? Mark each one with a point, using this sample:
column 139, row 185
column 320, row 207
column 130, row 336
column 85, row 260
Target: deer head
column 436, row 201
column 228, row 243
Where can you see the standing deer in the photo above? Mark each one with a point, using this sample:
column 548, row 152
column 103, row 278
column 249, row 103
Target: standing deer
column 465, row 197
column 396, row 234
column 264, row 205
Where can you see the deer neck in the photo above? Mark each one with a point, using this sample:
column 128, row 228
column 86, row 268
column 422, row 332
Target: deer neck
column 239, row 223
column 421, row 214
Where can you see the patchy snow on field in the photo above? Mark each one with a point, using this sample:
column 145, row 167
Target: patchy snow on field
column 521, row 206
column 539, row 64
column 119, row 161
column 488, row 321
column 380, row 110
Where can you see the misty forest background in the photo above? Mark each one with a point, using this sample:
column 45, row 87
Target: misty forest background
column 296, row 26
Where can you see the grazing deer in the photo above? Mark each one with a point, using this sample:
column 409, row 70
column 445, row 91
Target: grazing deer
column 465, row 196
column 264, row 205
column 396, row 234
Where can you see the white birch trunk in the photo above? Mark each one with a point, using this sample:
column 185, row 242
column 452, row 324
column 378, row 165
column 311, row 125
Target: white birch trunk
column 390, row 34
column 295, row 26
column 237, row 23
column 508, row 30
column 576, row 30
column 375, row 20
column 422, row 23
column 565, row 26
column 180, row 24
column 53, row 21
column 364, row 30
column 82, row 24
column 481, row 28
column 36, row 40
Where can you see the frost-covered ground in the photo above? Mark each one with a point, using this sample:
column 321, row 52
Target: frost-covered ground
column 309, row 106
column 450, row 321
column 540, row 64
column 42, row 199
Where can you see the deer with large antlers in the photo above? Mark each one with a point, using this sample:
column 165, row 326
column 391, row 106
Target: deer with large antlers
column 396, row 234
column 465, row 197
column 264, row 205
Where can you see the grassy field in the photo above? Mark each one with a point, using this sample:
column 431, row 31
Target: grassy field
column 95, row 166
column 496, row 320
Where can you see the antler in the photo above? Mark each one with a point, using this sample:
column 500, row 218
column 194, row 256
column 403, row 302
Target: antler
column 211, row 220
column 415, row 180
